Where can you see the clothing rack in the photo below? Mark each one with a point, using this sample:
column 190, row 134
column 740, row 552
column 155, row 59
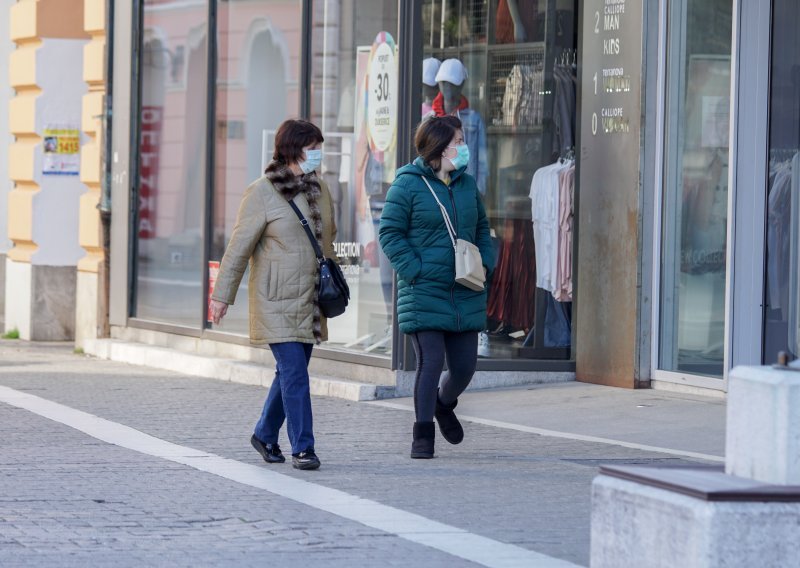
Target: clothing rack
column 782, row 154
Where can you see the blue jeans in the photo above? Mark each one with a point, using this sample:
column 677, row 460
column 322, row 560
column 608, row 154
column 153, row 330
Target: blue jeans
column 289, row 398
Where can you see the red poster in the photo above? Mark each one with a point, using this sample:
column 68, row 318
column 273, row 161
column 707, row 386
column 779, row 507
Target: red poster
column 213, row 270
column 152, row 120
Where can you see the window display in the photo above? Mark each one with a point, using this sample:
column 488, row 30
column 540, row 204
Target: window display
column 507, row 69
column 354, row 98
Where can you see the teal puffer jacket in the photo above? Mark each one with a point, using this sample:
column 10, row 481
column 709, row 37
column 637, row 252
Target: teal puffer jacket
column 413, row 235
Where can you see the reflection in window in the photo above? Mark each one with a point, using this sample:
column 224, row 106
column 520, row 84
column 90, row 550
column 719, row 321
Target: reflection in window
column 694, row 240
column 172, row 143
column 258, row 81
column 348, row 85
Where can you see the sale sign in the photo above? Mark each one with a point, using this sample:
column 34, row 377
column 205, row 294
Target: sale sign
column 152, row 120
column 382, row 93
column 213, row 270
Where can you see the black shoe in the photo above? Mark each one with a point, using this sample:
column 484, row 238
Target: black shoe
column 270, row 452
column 449, row 425
column 305, row 460
column 422, row 446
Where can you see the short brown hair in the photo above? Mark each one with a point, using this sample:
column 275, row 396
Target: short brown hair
column 433, row 136
column 292, row 136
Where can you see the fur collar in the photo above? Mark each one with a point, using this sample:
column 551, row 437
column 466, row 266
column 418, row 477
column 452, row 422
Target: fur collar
column 290, row 186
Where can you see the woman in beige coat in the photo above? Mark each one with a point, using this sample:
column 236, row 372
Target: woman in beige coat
column 283, row 282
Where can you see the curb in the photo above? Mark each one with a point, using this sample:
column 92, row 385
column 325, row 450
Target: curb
column 230, row 370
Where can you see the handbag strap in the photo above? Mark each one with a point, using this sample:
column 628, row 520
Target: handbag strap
column 451, row 232
column 311, row 237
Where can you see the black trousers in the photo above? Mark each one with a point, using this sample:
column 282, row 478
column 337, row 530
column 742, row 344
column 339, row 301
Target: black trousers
column 432, row 348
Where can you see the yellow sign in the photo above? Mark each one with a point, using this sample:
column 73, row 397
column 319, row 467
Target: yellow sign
column 61, row 151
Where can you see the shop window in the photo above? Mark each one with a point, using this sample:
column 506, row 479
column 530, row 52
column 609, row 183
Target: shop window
column 172, row 149
column 695, row 194
column 507, row 68
column 782, row 293
column 354, row 76
column 259, row 46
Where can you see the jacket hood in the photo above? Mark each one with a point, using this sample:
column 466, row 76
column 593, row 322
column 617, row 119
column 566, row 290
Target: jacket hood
column 420, row 168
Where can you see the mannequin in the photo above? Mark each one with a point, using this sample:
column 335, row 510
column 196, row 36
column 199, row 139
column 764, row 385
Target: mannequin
column 430, row 89
column 450, row 100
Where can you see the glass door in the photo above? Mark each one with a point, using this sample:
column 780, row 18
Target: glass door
column 695, row 189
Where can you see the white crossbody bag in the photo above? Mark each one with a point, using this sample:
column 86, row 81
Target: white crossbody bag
column 469, row 264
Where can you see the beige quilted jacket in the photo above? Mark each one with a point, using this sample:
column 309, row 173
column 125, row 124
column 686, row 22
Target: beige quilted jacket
column 283, row 267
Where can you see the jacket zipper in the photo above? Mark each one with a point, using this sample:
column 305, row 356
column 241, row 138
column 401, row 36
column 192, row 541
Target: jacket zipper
column 455, row 226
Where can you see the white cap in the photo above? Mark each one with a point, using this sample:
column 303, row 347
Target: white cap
column 452, row 71
column 429, row 68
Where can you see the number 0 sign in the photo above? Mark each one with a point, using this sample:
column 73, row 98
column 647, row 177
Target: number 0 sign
column 382, row 93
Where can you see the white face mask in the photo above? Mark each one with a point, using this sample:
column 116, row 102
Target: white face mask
column 312, row 162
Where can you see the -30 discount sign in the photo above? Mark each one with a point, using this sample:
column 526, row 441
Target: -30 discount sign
column 382, row 93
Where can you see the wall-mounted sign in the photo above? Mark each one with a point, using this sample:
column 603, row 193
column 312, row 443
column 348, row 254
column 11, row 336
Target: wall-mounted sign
column 61, row 152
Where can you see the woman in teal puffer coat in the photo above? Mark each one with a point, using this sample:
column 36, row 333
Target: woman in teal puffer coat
column 443, row 318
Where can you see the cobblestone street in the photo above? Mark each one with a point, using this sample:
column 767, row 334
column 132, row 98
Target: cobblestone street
column 70, row 499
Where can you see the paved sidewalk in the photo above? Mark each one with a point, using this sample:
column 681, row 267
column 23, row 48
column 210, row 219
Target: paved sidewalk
column 70, row 499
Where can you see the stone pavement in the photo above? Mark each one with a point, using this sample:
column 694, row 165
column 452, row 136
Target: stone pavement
column 71, row 500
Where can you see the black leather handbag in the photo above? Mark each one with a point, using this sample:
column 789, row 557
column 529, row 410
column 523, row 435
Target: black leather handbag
column 334, row 293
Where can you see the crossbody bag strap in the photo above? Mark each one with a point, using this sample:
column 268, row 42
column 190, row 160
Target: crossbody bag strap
column 450, row 230
column 311, row 237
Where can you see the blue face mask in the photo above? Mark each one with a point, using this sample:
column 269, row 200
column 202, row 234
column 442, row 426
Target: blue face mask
column 462, row 156
column 312, row 162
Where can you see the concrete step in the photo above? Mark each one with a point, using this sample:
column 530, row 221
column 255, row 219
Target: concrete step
column 232, row 370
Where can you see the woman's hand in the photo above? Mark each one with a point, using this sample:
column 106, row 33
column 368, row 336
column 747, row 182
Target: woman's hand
column 218, row 310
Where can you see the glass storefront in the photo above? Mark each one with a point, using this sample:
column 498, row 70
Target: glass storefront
column 354, row 98
column 507, row 69
column 695, row 187
column 783, row 188
column 172, row 157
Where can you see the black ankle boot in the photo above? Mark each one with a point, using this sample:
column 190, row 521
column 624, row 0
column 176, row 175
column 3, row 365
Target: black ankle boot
column 422, row 446
column 449, row 425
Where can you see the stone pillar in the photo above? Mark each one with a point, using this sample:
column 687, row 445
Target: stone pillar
column 701, row 517
column 762, row 440
column 91, row 303
column 45, row 69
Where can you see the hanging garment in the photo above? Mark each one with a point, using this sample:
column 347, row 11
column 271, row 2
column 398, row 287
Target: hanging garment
column 566, row 191
column 544, row 196
column 511, row 296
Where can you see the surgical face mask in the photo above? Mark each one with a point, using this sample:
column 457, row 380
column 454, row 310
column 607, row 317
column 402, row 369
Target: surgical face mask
column 462, row 156
column 312, row 162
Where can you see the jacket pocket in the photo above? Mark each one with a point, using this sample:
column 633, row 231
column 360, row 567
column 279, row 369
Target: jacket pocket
column 273, row 286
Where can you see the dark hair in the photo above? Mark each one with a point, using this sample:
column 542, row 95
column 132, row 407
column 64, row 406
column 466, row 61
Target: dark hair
column 292, row 136
column 433, row 136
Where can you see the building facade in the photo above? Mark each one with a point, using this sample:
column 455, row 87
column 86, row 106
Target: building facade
column 639, row 182
column 6, row 45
